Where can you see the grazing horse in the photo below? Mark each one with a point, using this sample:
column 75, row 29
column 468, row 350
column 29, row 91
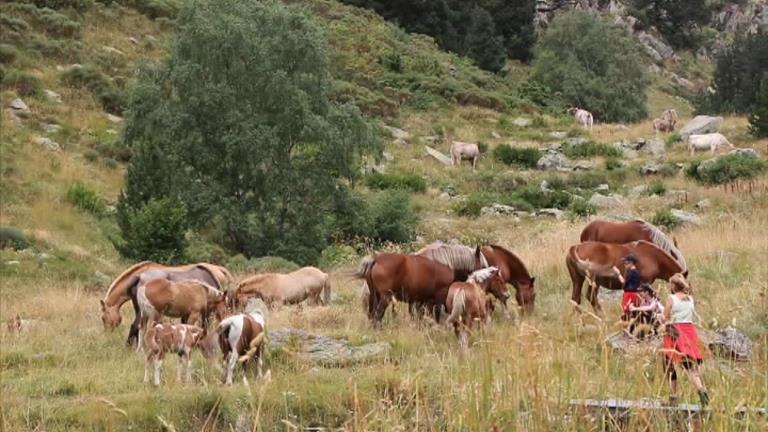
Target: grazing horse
column 599, row 263
column 291, row 288
column 464, row 260
column 670, row 116
column 514, row 272
column 626, row 232
column 464, row 151
column 124, row 288
column 241, row 338
column 663, row 125
column 190, row 300
column 466, row 302
column 171, row 338
column 710, row 141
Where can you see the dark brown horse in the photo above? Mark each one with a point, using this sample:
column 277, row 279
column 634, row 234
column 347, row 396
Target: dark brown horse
column 514, row 272
column 626, row 232
column 600, row 263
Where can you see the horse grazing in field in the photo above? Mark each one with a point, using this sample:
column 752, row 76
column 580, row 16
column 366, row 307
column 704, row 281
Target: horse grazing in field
column 181, row 339
column 626, row 232
column 241, row 338
column 291, row 288
column 190, row 300
column 599, row 263
column 124, row 288
column 514, row 272
column 464, row 151
column 464, row 260
column 710, row 141
column 19, row 325
column 466, row 302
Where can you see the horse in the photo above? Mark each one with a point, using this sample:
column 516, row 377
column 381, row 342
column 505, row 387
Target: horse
column 466, row 302
column 124, row 288
column 464, row 151
column 176, row 338
column 190, row 300
column 291, row 288
column 241, row 338
column 583, row 117
column 600, row 262
column 19, row 325
column 710, row 141
column 663, row 125
column 514, row 272
column 464, row 260
column 626, row 232
column 670, row 115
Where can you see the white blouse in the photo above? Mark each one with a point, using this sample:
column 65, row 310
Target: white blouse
column 682, row 310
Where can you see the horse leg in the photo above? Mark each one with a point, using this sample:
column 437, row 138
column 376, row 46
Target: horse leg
column 259, row 363
column 133, row 331
column 142, row 327
column 231, row 362
column 158, row 364
column 381, row 306
column 179, row 371
column 146, row 368
column 594, row 289
column 577, row 281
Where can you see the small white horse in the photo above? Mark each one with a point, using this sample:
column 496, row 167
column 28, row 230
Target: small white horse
column 464, row 151
column 241, row 338
column 291, row 288
column 171, row 338
column 711, row 142
column 583, row 117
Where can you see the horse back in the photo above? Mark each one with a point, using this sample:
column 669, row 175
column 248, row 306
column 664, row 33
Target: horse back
column 612, row 232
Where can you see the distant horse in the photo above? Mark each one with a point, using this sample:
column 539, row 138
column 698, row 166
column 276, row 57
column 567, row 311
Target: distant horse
column 600, row 262
column 583, row 117
column 124, row 288
column 291, row 288
column 464, row 151
column 180, row 339
column 241, row 338
column 466, row 302
column 190, row 300
column 625, row 232
column 513, row 271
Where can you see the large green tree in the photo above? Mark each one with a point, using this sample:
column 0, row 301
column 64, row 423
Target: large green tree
column 590, row 63
column 677, row 20
column 238, row 126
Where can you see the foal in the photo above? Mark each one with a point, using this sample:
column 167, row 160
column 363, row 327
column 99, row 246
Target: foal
column 467, row 302
column 178, row 338
column 241, row 338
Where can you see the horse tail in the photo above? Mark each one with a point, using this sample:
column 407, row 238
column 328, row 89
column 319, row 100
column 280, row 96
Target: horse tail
column 327, row 290
column 365, row 295
column 254, row 347
column 459, row 304
column 366, row 265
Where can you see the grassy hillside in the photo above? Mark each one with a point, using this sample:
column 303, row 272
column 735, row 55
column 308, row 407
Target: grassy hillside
column 68, row 374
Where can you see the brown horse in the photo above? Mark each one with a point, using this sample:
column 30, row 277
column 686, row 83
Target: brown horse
column 180, row 339
column 124, row 288
column 599, row 262
column 462, row 259
column 514, row 272
column 241, row 338
column 626, row 232
column 466, row 302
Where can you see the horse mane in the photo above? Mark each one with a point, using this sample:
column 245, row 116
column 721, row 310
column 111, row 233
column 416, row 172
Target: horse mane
column 512, row 255
column 663, row 242
column 666, row 254
column 457, row 257
column 125, row 274
column 480, row 276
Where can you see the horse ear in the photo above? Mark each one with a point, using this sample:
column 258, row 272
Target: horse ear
column 674, row 240
column 103, row 305
column 477, row 251
column 532, row 280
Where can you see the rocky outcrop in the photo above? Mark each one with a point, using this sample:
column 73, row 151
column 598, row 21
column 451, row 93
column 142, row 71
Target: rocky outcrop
column 727, row 342
column 554, row 161
column 701, row 124
column 742, row 18
column 325, row 350
column 605, row 201
column 498, row 210
column 445, row 160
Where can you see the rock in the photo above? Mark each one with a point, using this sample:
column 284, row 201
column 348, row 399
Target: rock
column 654, row 147
column 602, row 201
column 18, row 105
column 553, row 161
column 576, row 140
column 67, row 68
column 389, row 157
column 112, row 50
column 732, row 343
column 133, row 40
column 445, row 197
column 654, row 46
column 522, row 122
column 325, row 350
column 558, row 134
column 397, row 133
column 445, row 160
column 583, row 165
column 544, row 186
column 746, row 152
column 51, row 128
column 114, row 119
column 498, row 210
column 603, row 188
column 685, row 217
column 703, row 204
column 451, row 190
column 701, row 124
column 494, row 134
column 52, row 96
column 551, row 212
column 42, row 257
column 47, row 144
column 650, row 168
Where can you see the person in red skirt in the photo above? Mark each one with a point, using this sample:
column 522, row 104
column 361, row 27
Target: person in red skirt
column 681, row 343
column 631, row 281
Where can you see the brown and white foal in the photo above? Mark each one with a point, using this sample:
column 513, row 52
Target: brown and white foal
column 171, row 338
column 241, row 338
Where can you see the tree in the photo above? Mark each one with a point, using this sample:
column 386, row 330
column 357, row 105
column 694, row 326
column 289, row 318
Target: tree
column 758, row 119
column 591, row 64
column 514, row 23
column 482, row 43
column 156, row 231
column 676, row 20
column 238, row 126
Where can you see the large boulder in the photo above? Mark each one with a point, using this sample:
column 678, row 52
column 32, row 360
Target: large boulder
column 325, row 350
column 554, row 161
column 605, row 201
column 653, row 147
column 701, row 124
column 445, row 160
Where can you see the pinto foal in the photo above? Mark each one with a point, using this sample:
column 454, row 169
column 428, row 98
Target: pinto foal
column 178, row 338
column 241, row 338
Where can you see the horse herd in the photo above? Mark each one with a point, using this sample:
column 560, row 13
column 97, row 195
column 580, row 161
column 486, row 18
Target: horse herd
column 461, row 282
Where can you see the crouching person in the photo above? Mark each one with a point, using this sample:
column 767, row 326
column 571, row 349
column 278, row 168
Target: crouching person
column 174, row 338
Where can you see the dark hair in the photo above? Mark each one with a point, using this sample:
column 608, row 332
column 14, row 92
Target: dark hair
column 648, row 288
column 630, row 259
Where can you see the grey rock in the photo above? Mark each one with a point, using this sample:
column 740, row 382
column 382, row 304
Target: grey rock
column 701, row 124
column 544, row 186
column 133, row 40
column 498, row 210
column 733, row 343
column 389, row 157
column 18, row 105
column 704, row 204
column 521, row 122
column 397, row 133
column 325, row 350
column 558, row 134
column 445, row 197
column 551, row 212
column 440, row 157
column 553, row 161
column 67, row 68
column 748, row 152
column 603, row 188
column 605, row 202
column 687, row 218
column 654, row 147
column 583, row 165
column 650, row 168
column 52, row 96
column 114, row 119
column 47, row 144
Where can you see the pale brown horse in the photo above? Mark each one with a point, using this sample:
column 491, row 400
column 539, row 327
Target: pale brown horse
column 514, row 272
column 599, row 262
column 180, row 339
column 466, row 302
column 124, row 288
column 625, row 232
column 291, row 288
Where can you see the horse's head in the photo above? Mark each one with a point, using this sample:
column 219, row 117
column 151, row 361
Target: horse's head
column 220, row 307
column 110, row 316
column 526, row 295
column 496, row 286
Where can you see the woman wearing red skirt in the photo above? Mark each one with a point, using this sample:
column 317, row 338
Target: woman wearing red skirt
column 681, row 343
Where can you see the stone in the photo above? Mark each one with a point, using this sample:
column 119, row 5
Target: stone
column 553, row 161
column 495, row 135
column 687, row 218
column 733, row 343
column 747, row 152
column 583, row 165
column 18, row 105
column 445, row 197
column 445, row 160
column 51, row 128
column 52, row 96
column 701, row 124
column 654, row 147
column 602, row 201
column 551, row 212
column 47, row 144
column 397, row 133
column 650, row 168
column 603, row 188
column 638, row 191
column 704, row 204
column 67, row 68
column 544, row 186
column 114, row 119
column 112, row 50
column 133, row 40
column 558, row 134
column 325, row 350
column 389, row 157
column 498, row 210
column 575, row 140
column 521, row 122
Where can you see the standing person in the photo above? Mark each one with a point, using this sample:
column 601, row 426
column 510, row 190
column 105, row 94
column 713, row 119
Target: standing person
column 681, row 343
column 631, row 281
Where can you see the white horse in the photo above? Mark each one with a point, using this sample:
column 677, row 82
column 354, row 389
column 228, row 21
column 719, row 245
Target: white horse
column 711, row 142
column 583, row 117
column 291, row 288
column 464, row 151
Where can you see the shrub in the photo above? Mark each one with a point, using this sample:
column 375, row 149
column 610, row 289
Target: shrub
column 590, row 149
column 336, row 255
column 57, row 24
column 726, row 169
column 544, row 199
column 668, row 170
column 114, row 150
column 582, row 208
column 103, row 88
column 472, row 205
column 613, row 163
column 91, row 155
column 24, row 83
column 8, row 53
column 657, row 187
column 153, row 232
column 589, row 180
column 392, row 218
column 409, row 182
column 526, row 157
column 665, row 218
column 758, row 117
column 86, row 199
column 199, row 250
column 12, row 238
column 672, row 138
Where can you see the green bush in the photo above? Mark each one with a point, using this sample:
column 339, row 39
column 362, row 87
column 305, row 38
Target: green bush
column 383, row 181
column 199, row 250
column 12, row 238
column 589, row 180
column 103, row 88
column 657, row 187
column 613, row 163
column 590, row 149
column 544, row 199
column 24, row 83
column 526, row 157
column 581, row 208
column 114, row 150
column 672, row 138
column 154, row 232
column 665, row 218
column 726, row 169
column 8, row 53
column 392, row 218
column 15, row 24
column 86, row 199
column 758, row 116
column 338, row 254
column 62, row 49
column 472, row 205
column 57, row 24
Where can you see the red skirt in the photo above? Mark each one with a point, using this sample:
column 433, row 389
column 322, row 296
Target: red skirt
column 686, row 345
column 629, row 298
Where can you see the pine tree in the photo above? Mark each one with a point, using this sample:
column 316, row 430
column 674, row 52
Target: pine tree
column 758, row 118
column 482, row 44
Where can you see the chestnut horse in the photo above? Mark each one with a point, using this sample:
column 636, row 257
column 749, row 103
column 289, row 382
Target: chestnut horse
column 124, row 288
column 462, row 259
column 466, row 301
column 599, row 262
column 514, row 272
column 625, row 232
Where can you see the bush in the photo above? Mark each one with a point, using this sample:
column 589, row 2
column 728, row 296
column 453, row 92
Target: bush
column 613, row 163
column 758, row 117
column 665, row 218
column 472, row 205
column 8, row 53
column 590, row 149
column 672, row 138
column 101, row 86
column 91, row 155
column 409, row 182
column 545, row 199
column 336, row 255
column 668, row 170
column 12, row 238
column 526, row 157
column 199, row 250
column 154, row 232
column 24, row 83
column 392, row 218
column 582, row 208
column 726, row 169
column 86, row 199
column 657, row 187
column 57, row 24
column 589, row 180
